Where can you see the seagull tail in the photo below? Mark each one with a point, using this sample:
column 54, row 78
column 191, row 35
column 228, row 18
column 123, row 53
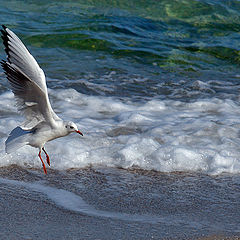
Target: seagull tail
column 16, row 139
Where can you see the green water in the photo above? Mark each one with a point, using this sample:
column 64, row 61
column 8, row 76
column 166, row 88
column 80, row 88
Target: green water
column 163, row 44
column 179, row 60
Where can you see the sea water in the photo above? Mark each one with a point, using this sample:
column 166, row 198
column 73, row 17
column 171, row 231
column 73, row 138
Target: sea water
column 154, row 88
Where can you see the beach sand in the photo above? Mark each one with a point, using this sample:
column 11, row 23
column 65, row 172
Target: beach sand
column 111, row 203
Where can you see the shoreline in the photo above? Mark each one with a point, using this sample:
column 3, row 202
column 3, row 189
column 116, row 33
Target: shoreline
column 111, row 203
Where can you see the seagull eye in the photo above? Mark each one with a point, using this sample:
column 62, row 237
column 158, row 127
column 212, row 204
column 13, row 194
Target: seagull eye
column 65, row 126
column 71, row 127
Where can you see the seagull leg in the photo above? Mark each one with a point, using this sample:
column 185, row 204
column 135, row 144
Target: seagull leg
column 44, row 167
column 48, row 159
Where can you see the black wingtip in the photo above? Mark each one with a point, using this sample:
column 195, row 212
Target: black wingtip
column 4, row 66
column 5, row 38
column 3, row 63
column 4, row 32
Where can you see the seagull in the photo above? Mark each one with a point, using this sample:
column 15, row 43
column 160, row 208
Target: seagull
column 28, row 83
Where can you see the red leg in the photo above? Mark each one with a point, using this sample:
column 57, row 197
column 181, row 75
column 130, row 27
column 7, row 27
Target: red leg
column 44, row 167
column 48, row 159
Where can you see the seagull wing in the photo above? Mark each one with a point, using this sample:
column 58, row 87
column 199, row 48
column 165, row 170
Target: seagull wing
column 27, row 81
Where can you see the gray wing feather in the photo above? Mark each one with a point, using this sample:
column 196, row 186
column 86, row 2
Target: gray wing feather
column 27, row 80
column 17, row 138
column 26, row 92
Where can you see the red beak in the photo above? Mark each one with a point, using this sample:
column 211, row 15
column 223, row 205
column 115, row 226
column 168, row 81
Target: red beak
column 79, row 132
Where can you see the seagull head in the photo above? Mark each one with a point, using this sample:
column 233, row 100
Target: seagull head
column 72, row 127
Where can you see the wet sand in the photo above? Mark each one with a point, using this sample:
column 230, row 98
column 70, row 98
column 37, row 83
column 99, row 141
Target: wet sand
column 110, row 203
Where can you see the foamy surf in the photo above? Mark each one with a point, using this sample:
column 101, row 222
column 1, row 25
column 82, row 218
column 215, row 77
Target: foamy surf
column 160, row 135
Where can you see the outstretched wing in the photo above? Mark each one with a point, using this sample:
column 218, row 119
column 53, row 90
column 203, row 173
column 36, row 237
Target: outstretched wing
column 27, row 80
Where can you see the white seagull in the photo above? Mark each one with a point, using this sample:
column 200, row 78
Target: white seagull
column 28, row 84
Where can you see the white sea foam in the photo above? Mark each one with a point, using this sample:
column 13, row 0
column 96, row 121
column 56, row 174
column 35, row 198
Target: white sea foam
column 160, row 135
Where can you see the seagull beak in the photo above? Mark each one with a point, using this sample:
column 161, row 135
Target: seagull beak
column 79, row 132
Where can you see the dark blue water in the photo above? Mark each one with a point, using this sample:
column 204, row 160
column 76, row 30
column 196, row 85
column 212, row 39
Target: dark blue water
column 154, row 86
column 156, row 48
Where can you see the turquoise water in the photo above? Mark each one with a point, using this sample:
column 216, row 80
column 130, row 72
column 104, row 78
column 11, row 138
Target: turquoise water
column 164, row 47
column 154, row 87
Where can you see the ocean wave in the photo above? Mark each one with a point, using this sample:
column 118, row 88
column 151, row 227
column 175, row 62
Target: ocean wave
column 160, row 135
